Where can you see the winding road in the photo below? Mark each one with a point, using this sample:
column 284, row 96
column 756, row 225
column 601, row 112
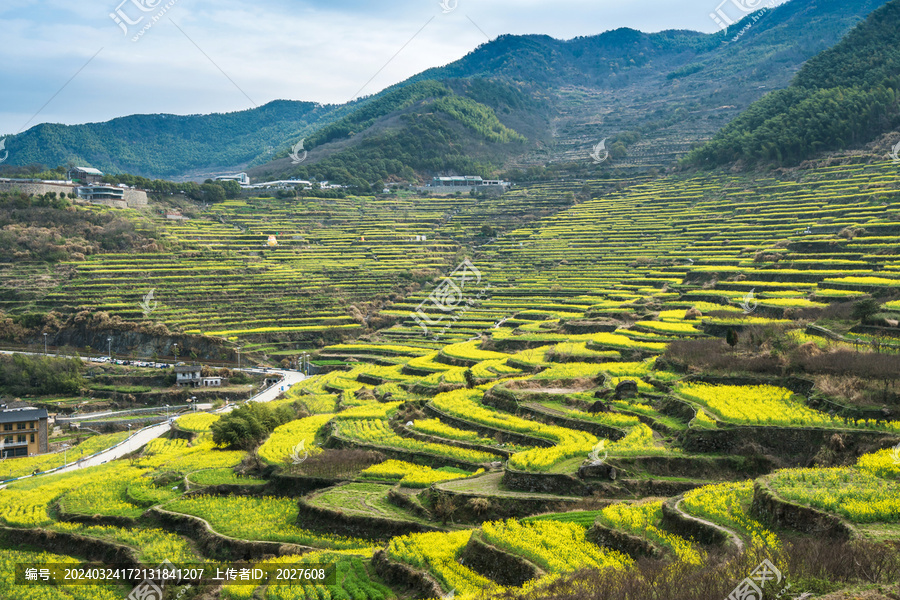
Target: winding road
column 142, row 437
column 145, row 435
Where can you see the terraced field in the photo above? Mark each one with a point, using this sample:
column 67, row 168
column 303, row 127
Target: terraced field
column 331, row 254
column 583, row 411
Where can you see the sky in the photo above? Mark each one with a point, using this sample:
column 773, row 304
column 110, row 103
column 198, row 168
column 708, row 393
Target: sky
column 80, row 61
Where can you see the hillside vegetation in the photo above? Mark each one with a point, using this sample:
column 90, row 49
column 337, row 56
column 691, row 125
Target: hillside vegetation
column 430, row 130
column 666, row 91
column 682, row 387
column 842, row 98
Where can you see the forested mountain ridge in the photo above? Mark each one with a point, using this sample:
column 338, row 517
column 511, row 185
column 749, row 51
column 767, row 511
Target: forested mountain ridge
column 425, row 127
column 661, row 93
column 842, row 98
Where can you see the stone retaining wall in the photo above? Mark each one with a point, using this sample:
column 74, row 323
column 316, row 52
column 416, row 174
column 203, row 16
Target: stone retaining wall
column 703, row 467
column 509, row 436
column 399, row 575
column 282, row 484
column 795, row 445
column 598, row 429
column 405, row 502
column 404, row 431
column 329, row 521
column 495, row 564
column 545, row 483
column 217, row 546
column 679, row 524
column 632, row 545
column 770, row 509
column 499, row 507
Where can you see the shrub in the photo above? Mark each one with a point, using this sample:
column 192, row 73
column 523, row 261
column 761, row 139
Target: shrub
column 246, row 426
column 865, row 308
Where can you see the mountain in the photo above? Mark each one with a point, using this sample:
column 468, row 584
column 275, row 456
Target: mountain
column 171, row 145
column 651, row 96
column 425, row 127
column 658, row 95
column 844, row 97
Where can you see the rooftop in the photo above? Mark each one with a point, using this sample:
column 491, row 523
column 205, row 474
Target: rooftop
column 17, row 415
column 89, row 170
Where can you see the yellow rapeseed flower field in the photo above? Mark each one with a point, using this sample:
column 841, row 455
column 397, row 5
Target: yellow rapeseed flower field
column 553, row 545
column 767, row 405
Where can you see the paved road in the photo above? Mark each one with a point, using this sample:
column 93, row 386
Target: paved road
column 140, row 438
column 289, row 378
column 130, row 445
column 144, row 436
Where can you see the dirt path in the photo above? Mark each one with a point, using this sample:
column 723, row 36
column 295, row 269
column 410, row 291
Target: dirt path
column 738, row 542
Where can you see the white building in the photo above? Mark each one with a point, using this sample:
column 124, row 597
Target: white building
column 100, row 192
column 241, row 178
column 282, row 184
column 445, row 184
column 188, row 376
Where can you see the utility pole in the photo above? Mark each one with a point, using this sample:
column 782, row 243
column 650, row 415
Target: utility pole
column 109, row 347
column 45, row 344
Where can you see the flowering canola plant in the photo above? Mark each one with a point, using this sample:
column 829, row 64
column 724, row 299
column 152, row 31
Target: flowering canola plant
column 642, row 519
column 283, row 441
column 727, row 504
column 853, row 493
column 569, row 442
column 766, row 405
column 258, row 518
column 412, row 475
column 553, row 545
column 884, row 463
column 439, row 553
column 377, row 432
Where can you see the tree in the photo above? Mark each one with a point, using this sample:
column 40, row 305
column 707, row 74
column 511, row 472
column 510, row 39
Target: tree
column 470, row 378
column 212, row 192
column 248, row 425
column 865, row 308
column 732, row 337
column 232, row 188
